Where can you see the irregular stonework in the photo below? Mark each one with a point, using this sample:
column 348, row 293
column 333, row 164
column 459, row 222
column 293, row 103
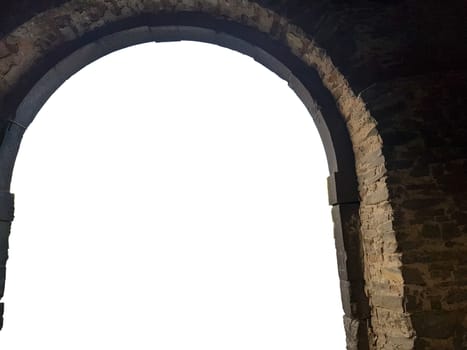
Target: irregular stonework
column 425, row 174
column 398, row 80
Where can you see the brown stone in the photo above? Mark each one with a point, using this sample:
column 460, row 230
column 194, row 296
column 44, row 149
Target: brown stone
column 386, row 83
column 435, row 324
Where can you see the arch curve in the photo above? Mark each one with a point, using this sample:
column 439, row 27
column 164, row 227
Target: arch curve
column 62, row 65
column 56, row 43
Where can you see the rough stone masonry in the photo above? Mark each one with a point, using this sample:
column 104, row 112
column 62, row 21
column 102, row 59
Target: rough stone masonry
column 386, row 83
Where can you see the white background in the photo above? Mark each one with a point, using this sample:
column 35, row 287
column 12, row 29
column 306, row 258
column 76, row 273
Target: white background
column 172, row 196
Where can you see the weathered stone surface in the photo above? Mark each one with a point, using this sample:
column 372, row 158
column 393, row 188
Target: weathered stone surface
column 437, row 324
column 389, row 82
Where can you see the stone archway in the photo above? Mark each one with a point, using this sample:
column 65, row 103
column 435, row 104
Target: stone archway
column 44, row 51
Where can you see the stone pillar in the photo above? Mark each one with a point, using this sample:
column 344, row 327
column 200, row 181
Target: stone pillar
column 345, row 213
column 6, row 217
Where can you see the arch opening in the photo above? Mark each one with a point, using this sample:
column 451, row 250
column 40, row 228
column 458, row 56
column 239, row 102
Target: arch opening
column 270, row 135
column 28, row 99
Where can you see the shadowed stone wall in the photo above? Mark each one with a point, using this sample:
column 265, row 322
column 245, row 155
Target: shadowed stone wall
column 396, row 76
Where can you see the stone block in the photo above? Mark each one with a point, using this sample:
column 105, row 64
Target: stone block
column 4, row 235
column 346, row 235
column 6, row 206
column 435, row 324
column 342, row 188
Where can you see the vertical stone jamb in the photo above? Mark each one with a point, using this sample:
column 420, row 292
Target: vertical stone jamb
column 343, row 197
column 6, row 217
column 10, row 139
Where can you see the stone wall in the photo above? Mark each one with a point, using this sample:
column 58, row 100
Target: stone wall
column 396, row 73
column 423, row 124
